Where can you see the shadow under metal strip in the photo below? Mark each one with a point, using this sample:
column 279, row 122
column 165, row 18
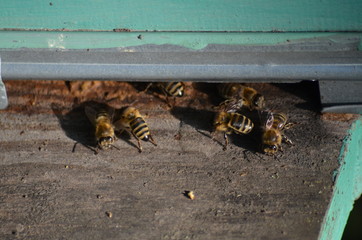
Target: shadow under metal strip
column 341, row 96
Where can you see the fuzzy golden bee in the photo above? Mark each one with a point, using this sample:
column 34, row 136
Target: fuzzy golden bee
column 249, row 96
column 229, row 122
column 273, row 135
column 131, row 120
column 101, row 118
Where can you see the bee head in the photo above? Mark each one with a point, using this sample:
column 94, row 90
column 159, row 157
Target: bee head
column 105, row 142
column 271, row 139
column 258, row 101
column 270, row 149
column 220, row 122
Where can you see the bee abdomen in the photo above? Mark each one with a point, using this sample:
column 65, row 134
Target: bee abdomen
column 140, row 129
column 174, row 88
column 229, row 90
column 241, row 124
column 279, row 121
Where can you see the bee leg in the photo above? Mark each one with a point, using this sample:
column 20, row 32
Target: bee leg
column 226, row 141
column 139, row 145
column 112, row 146
column 213, row 134
column 168, row 100
column 289, row 125
column 96, row 150
column 146, row 89
column 138, row 142
column 151, row 140
column 213, row 137
column 75, row 145
column 280, row 148
column 287, row 140
column 119, row 132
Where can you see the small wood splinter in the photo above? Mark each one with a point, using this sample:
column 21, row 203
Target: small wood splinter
column 190, row 194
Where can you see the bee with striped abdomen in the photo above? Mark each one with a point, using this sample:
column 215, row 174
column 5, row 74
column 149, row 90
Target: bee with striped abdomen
column 247, row 96
column 273, row 135
column 229, row 122
column 173, row 89
column 229, row 90
column 101, row 118
column 170, row 89
column 131, row 120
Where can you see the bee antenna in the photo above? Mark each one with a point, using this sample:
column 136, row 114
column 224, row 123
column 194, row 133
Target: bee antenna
column 115, row 147
column 75, row 145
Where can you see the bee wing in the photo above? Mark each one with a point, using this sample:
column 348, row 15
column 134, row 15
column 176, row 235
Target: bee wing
column 118, row 119
column 231, row 105
column 91, row 114
column 269, row 120
column 235, row 105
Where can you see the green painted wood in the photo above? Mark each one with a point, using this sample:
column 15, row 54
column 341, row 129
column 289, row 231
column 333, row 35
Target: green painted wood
column 85, row 40
column 183, row 15
column 348, row 185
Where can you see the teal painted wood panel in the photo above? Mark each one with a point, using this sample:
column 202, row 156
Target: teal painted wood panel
column 183, row 15
column 348, row 187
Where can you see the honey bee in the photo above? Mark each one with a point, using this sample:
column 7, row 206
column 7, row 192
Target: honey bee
column 273, row 135
column 249, row 97
column 170, row 89
column 229, row 90
column 131, row 120
column 229, row 122
column 101, row 118
column 231, row 105
column 174, row 89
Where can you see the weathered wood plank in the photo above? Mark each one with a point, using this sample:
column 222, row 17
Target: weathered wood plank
column 49, row 192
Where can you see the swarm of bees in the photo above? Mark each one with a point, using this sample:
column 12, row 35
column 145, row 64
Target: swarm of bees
column 236, row 114
column 233, row 117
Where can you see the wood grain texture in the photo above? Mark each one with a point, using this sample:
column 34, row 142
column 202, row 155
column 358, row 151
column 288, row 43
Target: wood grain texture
column 50, row 192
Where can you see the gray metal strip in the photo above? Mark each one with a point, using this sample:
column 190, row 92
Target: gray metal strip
column 341, row 96
column 346, row 108
column 3, row 96
column 188, row 66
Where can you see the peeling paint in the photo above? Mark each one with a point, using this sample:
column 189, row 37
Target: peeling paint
column 191, row 40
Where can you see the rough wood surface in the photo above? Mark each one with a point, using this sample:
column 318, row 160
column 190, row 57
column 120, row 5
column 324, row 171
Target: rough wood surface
column 49, row 192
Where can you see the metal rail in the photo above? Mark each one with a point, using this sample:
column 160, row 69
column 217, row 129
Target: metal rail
column 186, row 65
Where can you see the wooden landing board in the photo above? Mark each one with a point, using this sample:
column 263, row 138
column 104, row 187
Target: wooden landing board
column 50, row 192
